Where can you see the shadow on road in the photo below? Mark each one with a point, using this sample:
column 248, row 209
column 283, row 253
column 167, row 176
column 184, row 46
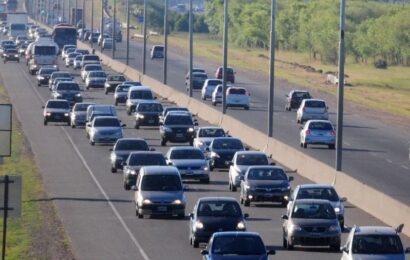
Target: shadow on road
column 79, row 199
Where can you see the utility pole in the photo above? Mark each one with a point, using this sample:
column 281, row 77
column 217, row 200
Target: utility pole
column 144, row 54
column 191, row 46
column 92, row 24
column 225, row 65
column 69, row 11
column 114, row 33
column 272, row 70
column 63, row 15
column 340, row 96
column 83, row 18
column 102, row 24
column 165, row 41
column 128, row 33
column 75, row 13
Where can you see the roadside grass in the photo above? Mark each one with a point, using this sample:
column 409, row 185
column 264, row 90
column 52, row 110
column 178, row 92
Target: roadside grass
column 22, row 232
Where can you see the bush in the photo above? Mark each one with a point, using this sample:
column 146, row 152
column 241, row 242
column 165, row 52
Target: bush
column 380, row 64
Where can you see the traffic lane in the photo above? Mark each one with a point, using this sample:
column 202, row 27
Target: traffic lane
column 376, row 141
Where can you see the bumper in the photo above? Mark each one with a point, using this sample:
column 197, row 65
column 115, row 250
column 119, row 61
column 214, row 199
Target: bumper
column 194, row 175
column 57, row 118
column 178, row 138
column 307, row 117
column 12, row 58
column 237, row 104
column 266, row 196
column 220, row 162
column 318, row 140
column 107, row 139
column 95, row 84
column 162, row 209
column 314, row 239
column 147, row 121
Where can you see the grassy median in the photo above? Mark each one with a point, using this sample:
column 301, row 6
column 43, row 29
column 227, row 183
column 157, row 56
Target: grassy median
column 38, row 234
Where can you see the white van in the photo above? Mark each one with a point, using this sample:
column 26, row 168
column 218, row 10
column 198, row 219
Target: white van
column 137, row 94
column 41, row 53
column 100, row 110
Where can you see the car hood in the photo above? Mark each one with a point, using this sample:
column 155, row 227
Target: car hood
column 223, row 222
column 113, row 82
column 162, row 196
column 206, row 140
column 314, row 222
column 189, row 162
column 378, row 257
column 107, row 129
column 57, row 110
column 267, row 183
column 239, row 257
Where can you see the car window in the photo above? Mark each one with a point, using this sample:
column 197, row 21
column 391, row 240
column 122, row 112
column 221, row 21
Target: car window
column 274, row 174
column 187, row 154
column 58, row 104
column 132, row 145
column 315, row 104
column 227, row 144
column 320, row 126
column 219, row 208
column 147, row 159
column 251, row 159
column 81, row 107
column 238, row 245
column 106, row 122
column 377, row 244
column 178, row 120
column 158, row 48
column 161, row 183
column 141, row 94
column 318, row 193
column 149, row 107
column 313, row 211
column 237, row 91
column 211, row 132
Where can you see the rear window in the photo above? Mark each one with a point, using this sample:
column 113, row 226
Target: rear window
column 320, row 126
column 237, row 91
column 91, row 57
column 98, row 74
column 315, row 104
column 158, row 48
column 60, row 75
column 122, row 88
column 44, row 50
column 214, row 82
column 132, row 145
column 147, row 159
column 377, row 244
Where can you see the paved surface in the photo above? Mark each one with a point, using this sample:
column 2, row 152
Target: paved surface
column 97, row 214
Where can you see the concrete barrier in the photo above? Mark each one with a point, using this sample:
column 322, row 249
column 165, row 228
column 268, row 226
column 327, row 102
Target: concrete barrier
column 380, row 205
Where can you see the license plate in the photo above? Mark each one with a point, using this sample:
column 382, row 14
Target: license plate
column 162, row 208
column 268, row 195
column 151, row 121
column 189, row 173
column 57, row 117
column 179, row 135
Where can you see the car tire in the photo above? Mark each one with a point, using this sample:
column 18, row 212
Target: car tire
column 331, row 146
column 335, row 247
column 113, row 169
column 205, row 181
column 194, row 243
column 246, row 203
column 45, row 122
column 126, row 186
column 284, row 203
column 213, row 103
column 203, row 98
column 163, row 142
column 246, row 107
column 92, row 142
column 116, row 102
column 139, row 215
column 181, row 216
column 304, row 145
column 137, row 126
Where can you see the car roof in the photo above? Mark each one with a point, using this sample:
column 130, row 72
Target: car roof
column 235, row 233
column 298, row 90
column 251, row 152
column 226, row 138
column 140, row 88
column 315, row 185
column 319, row 120
column 256, row 167
column 217, row 199
column 313, row 99
column 159, row 170
column 210, row 127
column 177, row 148
column 106, row 117
column 373, row 230
column 311, row 201
column 131, row 139
column 57, row 100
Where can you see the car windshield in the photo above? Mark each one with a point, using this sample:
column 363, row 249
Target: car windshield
column 58, row 104
column 233, row 144
column 44, row 50
column 377, row 244
column 154, row 107
column 131, row 145
column 116, row 78
column 237, row 91
column 46, row 71
column 79, row 57
column 106, row 122
column 91, row 57
column 325, row 126
column 60, row 75
column 188, row 154
column 300, row 95
column 159, row 48
column 147, row 159
column 178, row 120
column 211, row 132
column 97, row 74
column 161, row 183
column 273, row 174
column 219, row 209
column 315, row 104
column 81, row 107
column 318, row 193
column 94, row 67
column 62, row 86
column 141, row 94
column 238, row 245
column 251, row 159
column 122, row 88
column 169, row 109
column 199, row 76
column 313, row 211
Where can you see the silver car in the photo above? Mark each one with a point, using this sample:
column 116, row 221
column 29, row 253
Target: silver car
column 312, row 109
column 120, row 94
column 77, row 62
column 159, row 191
column 95, row 79
column 79, row 113
column 209, row 87
column 205, row 135
column 318, row 132
column 190, row 162
column 104, row 129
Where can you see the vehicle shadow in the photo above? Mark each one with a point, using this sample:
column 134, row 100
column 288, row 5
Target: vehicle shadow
column 359, row 127
column 78, row 199
column 270, row 205
column 250, row 219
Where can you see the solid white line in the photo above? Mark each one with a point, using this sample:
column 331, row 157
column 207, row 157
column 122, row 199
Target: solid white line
column 137, row 244
column 389, row 161
column 404, row 167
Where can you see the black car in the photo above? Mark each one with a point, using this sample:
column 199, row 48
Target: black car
column 112, row 81
column 147, row 114
column 177, row 127
column 265, row 184
column 214, row 214
column 170, row 109
column 294, row 99
column 122, row 149
column 43, row 75
column 56, row 110
column 221, row 151
column 67, row 90
column 11, row 55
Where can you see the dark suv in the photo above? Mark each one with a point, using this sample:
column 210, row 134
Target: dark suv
column 177, row 127
column 294, row 99
column 11, row 55
column 229, row 71
column 147, row 114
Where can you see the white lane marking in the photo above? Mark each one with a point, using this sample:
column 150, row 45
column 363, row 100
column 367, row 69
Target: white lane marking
column 114, row 209
column 373, row 154
column 405, row 167
column 389, row 161
column 346, row 143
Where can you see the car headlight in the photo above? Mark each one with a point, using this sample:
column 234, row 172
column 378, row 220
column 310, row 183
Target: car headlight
column 66, row 114
column 337, row 210
column 16, row 56
column 241, row 225
column 285, row 188
column 140, row 116
column 190, row 130
column 113, row 157
column 205, row 168
column 58, row 95
column 215, row 155
column 333, row 228
column 247, row 187
column 200, row 143
column 78, row 95
column 40, row 77
column 294, row 227
column 48, row 114
column 177, row 202
column 132, row 172
column 167, row 129
column 199, row 225
column 146, row 201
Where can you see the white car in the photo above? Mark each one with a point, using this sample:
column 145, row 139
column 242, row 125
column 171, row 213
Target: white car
column 318, row 132
column 217, row 95
column 137, row 94
column 77, row 62
column 209, row 87
column 90, row 59
column 237, row 97
column 95, row 79
column 312, row 109
column 205, row 135
column 78, row 114
column 374, row 242
column 89, row 67
column 104, row 129
column 69, row 61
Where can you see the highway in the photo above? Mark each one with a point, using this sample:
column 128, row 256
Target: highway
column 97, row 214
column 376, row 152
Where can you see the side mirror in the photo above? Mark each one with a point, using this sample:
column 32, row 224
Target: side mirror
column 152, row 149
column 285, row 217
column 42, row 106
column 407, row 251
column 170, row 163
column 123, row 125
column 271, row 252
column 155, row 97
column 196, row 124
column 291, row 178
column 344, row 199
column 272, row 163
column 246, row 215
column 246, row 148
column 207, row 149
column 191, row 215
column 134, row 188
column 204, row 252
column 124, row 163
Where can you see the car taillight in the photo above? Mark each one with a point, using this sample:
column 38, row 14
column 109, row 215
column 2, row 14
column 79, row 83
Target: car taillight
column 307, row 132
column 333, row 132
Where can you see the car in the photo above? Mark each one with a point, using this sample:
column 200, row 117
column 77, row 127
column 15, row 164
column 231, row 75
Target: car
column 107, row 44
column 58, row 74
column 68, row 90
column 44, row 74
column 237, row 97
column 157, row 51
column 89, row 67
column 65, row 47
column 213, row 214
column 67, row 52
column 90, row 59
column 77, row 62
column 121, row 92
column 178, row 128
column 295, row 97
column 312, row 109
column 147, row 114
column 318, row 132
column 323, row 192
column 100, row 110
column 205, row 135
column 374, row 242
column 104, row 129
column 20, row 39
column 241, row 162
column 217, row 95
column 95, row 79
column 22, row 48
column 78, row 114
column 198, row 79
column 69, row 61
column 93, row 37
column 112, row 81
column 123, row 148
column 137, row 94
column 10, row 55
column 159, row 192
column 57, row 80
column 265, row 184
column 229, row 71
column 209, row 87
column 236, row 245
column 101, row 37
column 311, row 222
column 135, row 161
column 56, row 110
column 190, row 161
column 171, row 109
column 221, row 151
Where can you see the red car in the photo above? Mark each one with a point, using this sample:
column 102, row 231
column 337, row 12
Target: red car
column 230, row 72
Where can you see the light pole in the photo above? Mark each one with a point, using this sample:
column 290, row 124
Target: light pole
column 114, row 33
column 69, row 11
column 271, row 70
column 340, row 96
column 225, row 65
column 83, row 18
column 102, row 24
column 165, row 41
column 63, row 15
column 191, row 46
column 127, row 59
column 144, row 55
column 75, row 13
column 92, row 24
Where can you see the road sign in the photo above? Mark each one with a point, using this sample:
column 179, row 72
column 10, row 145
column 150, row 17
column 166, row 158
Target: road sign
column 5, row 129
column 14, row 196
column 140, row 19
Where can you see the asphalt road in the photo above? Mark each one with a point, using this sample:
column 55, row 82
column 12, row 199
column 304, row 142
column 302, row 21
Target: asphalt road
column 97, row 214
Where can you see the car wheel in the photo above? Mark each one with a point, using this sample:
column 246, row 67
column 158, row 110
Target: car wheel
column 203, row 98
column 331, row 146
column 72, row 125
column 284, row 203
column 116, row 103
column 213, row 103
column 246, row 203
column 106, row 92
column 163, row 142
column 191, row 143
column 205, row 181
column 137, row 126
column 113, row 169
column 126, row 186
column 304, row 145
column 45, row 122
column 246, row 107
column 194, row 243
